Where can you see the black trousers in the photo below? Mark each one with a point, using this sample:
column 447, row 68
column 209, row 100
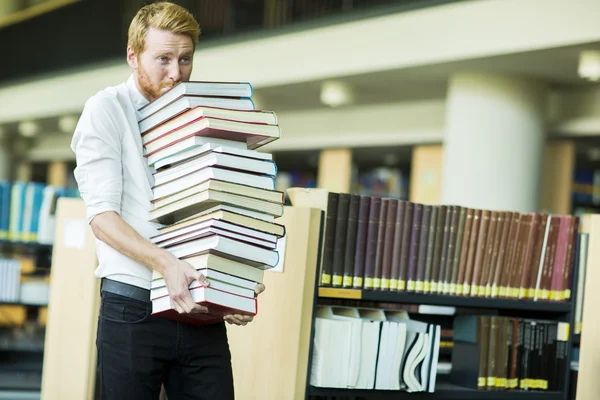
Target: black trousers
column 137, row 352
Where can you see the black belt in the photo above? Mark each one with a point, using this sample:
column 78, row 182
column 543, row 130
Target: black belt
column 124, row 289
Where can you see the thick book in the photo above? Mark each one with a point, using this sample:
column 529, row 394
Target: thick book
column 253, row 135
column 185, row 102
column 202, row 175
column 216, row 280
column 254, row 116
column 226, row 247
column 213, row 261
column 222, row 212
column 272, row 196
column 216, row 159
column 228, row 229
column 193, row 147
column 218, row 302
column 202, row 201
column 197, row 88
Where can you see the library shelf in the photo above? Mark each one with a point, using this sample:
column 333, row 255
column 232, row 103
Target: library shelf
column 32, row 246
column 445, row 300
column 443, row 391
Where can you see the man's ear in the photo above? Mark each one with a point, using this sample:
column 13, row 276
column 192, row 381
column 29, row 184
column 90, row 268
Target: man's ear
column 131, row 58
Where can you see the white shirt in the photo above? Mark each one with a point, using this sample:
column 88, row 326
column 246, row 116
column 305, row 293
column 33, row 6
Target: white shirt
column 113, row 175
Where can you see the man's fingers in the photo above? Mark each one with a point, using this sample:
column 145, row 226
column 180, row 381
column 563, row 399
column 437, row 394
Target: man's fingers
column 259, row 289
column 202, row 279
column 238, row 319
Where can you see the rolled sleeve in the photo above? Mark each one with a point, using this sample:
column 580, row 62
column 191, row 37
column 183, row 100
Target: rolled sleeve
column 97, row 146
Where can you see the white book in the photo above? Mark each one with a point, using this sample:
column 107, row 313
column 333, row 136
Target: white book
column 184, row 103
column 218, row 160
column 203, row 175
column 227, row 247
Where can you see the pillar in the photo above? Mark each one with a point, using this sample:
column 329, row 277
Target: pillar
column 494, row 141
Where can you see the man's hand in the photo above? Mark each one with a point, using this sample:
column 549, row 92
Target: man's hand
column 238, row 319
column 178, row 275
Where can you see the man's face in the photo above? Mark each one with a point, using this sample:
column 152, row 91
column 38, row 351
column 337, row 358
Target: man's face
column 166, row 61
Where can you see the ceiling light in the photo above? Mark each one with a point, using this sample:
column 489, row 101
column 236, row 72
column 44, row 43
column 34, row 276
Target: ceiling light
column 589, row 65
column 336, row 93
column 67, row 123
column 29, row 128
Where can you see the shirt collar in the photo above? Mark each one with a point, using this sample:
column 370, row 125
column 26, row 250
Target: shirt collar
column 136, row 97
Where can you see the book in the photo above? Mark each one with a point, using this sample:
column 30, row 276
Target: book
column 213, row 194
column 197, row 88
column 453, row 250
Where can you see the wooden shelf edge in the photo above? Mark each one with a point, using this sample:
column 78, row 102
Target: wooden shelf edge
column 337, row 293
column 445, row 300
column 445, row 392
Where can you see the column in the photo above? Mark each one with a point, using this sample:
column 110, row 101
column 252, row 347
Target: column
column 494, row 141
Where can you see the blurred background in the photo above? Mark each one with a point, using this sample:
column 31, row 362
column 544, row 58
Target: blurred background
column 486, row 103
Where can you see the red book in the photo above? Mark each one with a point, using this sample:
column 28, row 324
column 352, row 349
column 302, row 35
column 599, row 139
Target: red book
column 218, row 302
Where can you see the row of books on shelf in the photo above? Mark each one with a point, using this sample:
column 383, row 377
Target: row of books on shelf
column 16, row 286
column 214, row 196
column 389, row 244
column 500, row 353
column 27, row 211
column 372, row 348
column 362, row 348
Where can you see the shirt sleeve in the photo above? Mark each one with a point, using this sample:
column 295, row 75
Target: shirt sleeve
column 97, row 147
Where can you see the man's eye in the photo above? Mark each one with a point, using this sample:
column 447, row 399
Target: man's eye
column 186, row 60
column 163, row 59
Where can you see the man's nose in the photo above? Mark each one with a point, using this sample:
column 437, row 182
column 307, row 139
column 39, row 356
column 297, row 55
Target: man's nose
column 175, row 72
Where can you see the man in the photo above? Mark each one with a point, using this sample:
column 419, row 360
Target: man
column 137, row 352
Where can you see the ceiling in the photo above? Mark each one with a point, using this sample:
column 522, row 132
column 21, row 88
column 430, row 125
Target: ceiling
column 557, row 66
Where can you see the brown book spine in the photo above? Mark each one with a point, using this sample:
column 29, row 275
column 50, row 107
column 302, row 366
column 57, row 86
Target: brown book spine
column 430, row 248
column 411, row 276
column 452, row 235
column 473, row 239
column 504, row 290
column 361, row 242
column 462, row 217
column 527, row 266
column 422, row 249
column 543, row 292
column 519, row 256
column 568, row 281
column 351, row 233
column 538, row 248
column 405, row 248
column 513, row 371
column 493, row 352
column 445, row 248
column 437, row 247
column 464, row 251
column 372, row 234
column 330, row 222
column 500, row 267
column 484, row 290
column 484, row 344
column 501, row 222
column 484, row 225
column 397, row 247
column 339, row 245
column 388, row 244
column 380, row 243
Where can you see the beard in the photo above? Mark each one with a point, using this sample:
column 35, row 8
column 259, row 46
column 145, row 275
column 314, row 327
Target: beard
column 149, row 89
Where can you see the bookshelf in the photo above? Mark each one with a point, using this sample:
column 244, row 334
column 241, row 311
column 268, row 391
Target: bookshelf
column 443, row 392
column 556, row 308
column 283, row 334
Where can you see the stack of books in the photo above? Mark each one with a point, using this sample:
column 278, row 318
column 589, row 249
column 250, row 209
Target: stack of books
column 214, row 193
